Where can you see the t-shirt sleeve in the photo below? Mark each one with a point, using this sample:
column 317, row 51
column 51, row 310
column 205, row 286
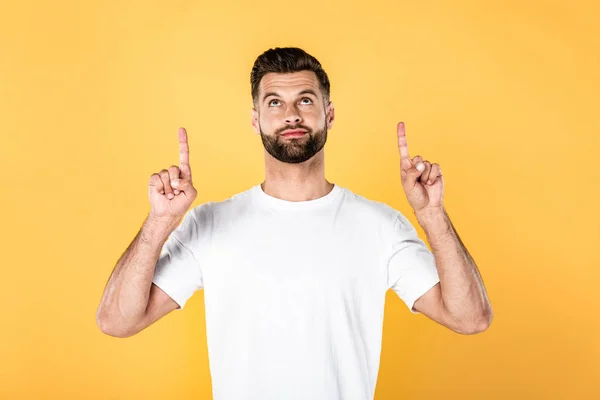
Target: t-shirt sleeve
column 411, row 265
column 178, row 272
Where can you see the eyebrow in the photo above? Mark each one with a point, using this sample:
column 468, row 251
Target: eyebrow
column 305, row 91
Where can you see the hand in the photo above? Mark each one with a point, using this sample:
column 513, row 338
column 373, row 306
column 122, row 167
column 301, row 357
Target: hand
column 422, row 180
column 171, row 191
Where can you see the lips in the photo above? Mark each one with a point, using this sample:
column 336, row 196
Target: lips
column 295, row 132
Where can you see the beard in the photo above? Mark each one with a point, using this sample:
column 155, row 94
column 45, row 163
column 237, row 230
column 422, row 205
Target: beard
column 295, row 150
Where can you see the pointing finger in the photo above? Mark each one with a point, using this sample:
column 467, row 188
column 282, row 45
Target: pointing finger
column 184, row 154
column 405, row 162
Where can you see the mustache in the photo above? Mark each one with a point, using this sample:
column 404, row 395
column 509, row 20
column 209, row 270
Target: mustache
column 289, row 128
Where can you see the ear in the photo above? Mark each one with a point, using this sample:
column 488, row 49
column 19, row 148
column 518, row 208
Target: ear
column 255, row 121
column 330, row 115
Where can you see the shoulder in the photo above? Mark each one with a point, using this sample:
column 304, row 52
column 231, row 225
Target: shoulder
column 371, row 209
column 227, row 208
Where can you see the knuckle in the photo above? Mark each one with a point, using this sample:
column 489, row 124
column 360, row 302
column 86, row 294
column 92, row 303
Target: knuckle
column 155, row 179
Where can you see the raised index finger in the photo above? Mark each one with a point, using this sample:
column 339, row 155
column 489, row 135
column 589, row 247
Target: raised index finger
column 403, row 146
column 184, row 154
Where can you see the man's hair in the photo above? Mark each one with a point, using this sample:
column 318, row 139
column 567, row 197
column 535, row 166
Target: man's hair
column 287, row 60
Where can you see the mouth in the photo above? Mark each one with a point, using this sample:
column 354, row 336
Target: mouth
column 293, row 133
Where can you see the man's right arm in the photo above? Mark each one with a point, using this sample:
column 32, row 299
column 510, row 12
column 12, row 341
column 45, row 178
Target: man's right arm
column 131, row 302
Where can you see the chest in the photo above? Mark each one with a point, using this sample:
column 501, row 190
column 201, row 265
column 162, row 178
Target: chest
column 291, row 255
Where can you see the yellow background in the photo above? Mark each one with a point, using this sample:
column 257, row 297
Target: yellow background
column 503, row 95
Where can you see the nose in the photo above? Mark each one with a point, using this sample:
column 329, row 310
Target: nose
column 292, row 116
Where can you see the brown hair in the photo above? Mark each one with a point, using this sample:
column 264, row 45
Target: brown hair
column 287, row 60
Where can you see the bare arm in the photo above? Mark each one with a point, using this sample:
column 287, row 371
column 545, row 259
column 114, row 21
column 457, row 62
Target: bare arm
column 460, row 300
column 131, row 301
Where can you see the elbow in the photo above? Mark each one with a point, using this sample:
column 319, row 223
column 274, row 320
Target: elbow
column 474, row 328
column 476, row 325
column 110, row 328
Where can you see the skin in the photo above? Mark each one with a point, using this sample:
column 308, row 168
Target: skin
column 131, row 302
column 459, row 301
column 290, row 109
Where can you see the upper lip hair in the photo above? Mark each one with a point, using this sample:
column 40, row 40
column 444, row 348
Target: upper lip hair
column 293, row 131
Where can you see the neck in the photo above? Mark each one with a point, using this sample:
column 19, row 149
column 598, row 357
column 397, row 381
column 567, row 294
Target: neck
column 296, row 182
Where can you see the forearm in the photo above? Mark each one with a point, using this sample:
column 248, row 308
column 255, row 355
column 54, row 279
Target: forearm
column 126, row 295
column 463, row 293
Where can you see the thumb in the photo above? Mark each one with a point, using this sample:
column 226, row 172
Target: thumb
column 181, row 184
column 414, row 172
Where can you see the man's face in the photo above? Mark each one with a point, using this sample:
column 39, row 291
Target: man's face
column 287, row 102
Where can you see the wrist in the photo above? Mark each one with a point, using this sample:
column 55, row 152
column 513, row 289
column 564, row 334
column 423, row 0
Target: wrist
column 429, row 214
column 434, row 221
column 157, row 229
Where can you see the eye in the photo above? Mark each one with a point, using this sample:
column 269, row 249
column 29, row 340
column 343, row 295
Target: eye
column 271, row 102
column 306, row 98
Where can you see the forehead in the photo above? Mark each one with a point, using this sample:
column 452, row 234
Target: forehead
column 294, row 81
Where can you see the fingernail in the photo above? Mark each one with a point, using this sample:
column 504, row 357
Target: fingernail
column 175, row 183
column 420, row 166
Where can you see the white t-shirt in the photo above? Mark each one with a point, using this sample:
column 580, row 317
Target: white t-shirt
column 294, row 292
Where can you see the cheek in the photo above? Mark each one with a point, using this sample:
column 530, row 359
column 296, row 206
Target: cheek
column 265, row 120
column 266, row 123
column 311, row 116
column 272, row 117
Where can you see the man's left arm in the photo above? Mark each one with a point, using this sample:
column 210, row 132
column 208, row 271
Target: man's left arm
column 460, row 300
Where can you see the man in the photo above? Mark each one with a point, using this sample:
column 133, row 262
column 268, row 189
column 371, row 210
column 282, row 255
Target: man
column 295, row 270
